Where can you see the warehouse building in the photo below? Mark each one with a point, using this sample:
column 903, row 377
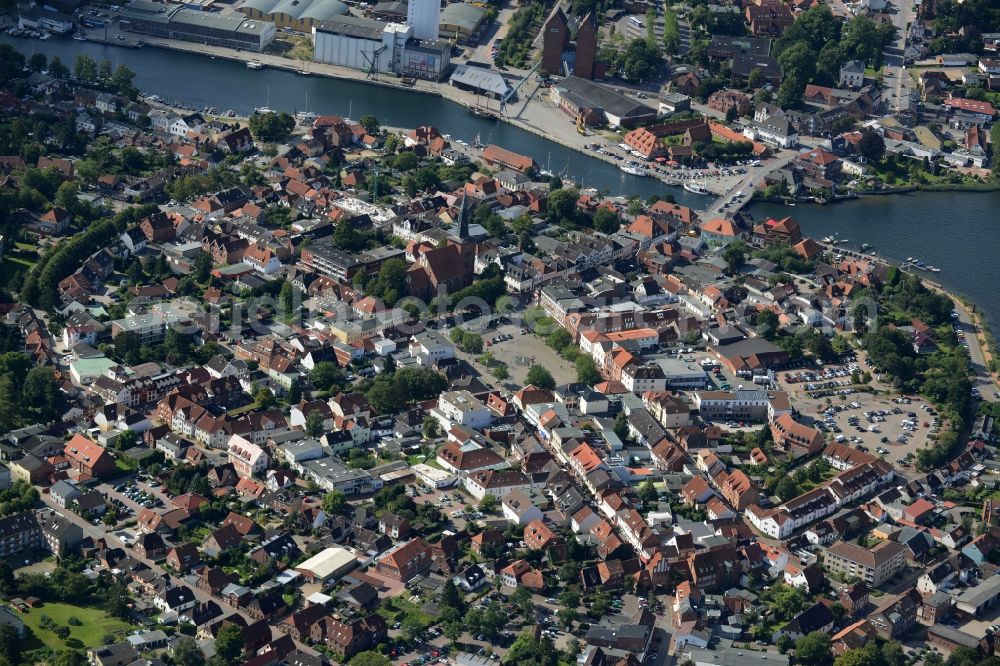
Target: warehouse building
column 177, row 22
column 462, row 22
column 575, row 96
column 327, row 565
column 479, row 80
column 368, row 44
column 360, row 43
column 300, row 15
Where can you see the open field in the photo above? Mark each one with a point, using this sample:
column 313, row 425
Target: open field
column 95, row 624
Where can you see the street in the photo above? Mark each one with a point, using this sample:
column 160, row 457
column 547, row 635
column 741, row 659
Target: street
column 896, row 82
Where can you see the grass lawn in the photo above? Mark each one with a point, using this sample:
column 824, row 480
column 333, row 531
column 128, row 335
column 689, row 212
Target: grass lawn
column 245, row 408
column 95, row 624
column 401, row 608
column 12, row 265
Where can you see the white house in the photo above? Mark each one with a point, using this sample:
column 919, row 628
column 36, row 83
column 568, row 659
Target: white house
column 175, row 599
column 520, row 508
column 134, row 240
column 429, row 348
column 775, row 130
column 461, row 408
column 248, row 458
column 262, row 259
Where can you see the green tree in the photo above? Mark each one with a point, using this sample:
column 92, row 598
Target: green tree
column 334, row 502
column 406, row 161
column 786, row 488
column 586, row 370
column 287, row 298
column 871, row 146
column 647, row 491
column 621, row 425
column 325, row 375
column 451, row 596
column 791, row 90
column 85, row 69
column 559, row 339
column 814, row 648
column 264, row 398
column 37, row 62
column 369, row 658
column 390, row 283
column 202, row 268
column 229, row 643
column 57, row 68
column 755, row 78
column 526, row 650
column 540, row 378
column 127, row 440
column 735, row 255
column 187, row 653
column 371, row 125
column 831, row 57
column 41, row 394
column 606, row 221
column 271, row 126
column 8, row 404
column 768, row 324
column 452, row 630
column 10, row 645
column 294, row 392
column 431, row 429
column 860, row 40
column 488, row 504
column 314, row 424
column 123, row 82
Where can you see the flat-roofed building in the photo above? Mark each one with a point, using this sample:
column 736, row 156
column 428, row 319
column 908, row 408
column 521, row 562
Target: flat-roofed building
column 216, row 29
column 328, row 564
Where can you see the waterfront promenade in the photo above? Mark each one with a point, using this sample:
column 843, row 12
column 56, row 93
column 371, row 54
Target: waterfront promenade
column 532, row 111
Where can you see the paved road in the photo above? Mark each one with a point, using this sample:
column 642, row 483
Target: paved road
column 747, row 184
column 896, row 82
column 983, row 380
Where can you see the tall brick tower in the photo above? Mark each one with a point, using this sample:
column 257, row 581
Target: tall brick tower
column 554, row 42
column 586, row 47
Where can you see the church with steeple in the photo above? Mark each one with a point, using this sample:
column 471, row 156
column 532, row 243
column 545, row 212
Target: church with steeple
column 448, row 268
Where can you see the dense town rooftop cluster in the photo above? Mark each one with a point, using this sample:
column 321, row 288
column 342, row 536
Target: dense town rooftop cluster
column 307, row 390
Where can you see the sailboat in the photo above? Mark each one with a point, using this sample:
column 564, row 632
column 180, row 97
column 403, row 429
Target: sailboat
column 482, row 112
column 306, row 117
column 265, row 109
column 547, row 171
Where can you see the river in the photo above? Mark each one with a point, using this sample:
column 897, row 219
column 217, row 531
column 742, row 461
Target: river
column 954, row 231
column 200, row 81
column 959, row 232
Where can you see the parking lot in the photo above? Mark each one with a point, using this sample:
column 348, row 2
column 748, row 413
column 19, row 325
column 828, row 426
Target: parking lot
column 518, row 352
column 893, row 427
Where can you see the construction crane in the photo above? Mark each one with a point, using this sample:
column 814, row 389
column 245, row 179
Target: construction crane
column 372, row 60
column 509, row 95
